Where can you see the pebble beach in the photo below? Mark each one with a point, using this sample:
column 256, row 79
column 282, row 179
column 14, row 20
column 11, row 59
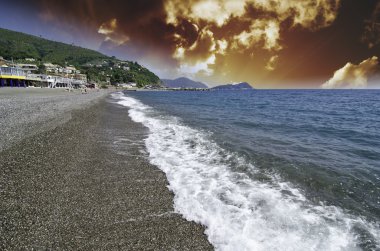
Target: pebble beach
column 74, row 174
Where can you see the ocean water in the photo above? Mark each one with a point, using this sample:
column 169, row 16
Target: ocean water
column 269, row 170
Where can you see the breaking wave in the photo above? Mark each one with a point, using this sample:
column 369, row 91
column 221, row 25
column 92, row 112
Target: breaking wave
column 239, row 211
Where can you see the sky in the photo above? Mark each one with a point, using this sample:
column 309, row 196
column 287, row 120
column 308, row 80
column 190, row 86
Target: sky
column 267, row 43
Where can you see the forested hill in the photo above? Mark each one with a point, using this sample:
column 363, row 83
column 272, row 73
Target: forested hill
column 98, row 67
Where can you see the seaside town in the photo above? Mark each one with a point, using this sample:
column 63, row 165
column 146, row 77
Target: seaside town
column 29, row 74
column 48, row 75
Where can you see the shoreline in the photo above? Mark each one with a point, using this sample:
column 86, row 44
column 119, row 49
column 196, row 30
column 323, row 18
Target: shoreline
column 86, row 183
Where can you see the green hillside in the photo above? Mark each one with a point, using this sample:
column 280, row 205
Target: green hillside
column 98, row 67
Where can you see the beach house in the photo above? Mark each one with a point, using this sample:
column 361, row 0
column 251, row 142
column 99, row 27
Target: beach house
column 12, row 76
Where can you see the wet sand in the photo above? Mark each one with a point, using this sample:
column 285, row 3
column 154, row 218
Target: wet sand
column 86, row 183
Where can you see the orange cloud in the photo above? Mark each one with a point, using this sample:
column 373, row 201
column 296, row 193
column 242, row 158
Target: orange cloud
column 257, row 32
column 110, row 30
column 271, row 65
column 371, row 35
column 353, row 76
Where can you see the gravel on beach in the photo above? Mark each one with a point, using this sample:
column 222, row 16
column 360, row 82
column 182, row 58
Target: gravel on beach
column 26, row 111
column 85, row 182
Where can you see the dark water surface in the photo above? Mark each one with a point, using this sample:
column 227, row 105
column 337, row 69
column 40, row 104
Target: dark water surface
column 324, row 144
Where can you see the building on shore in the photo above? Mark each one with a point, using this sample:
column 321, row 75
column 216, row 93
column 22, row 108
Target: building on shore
column 28, row 68
column 4, row 62
column 25, row 76
column 127, row 85
column 12, row 77
column 28, row 74
column 69, row 70
column 49, row 67
column 57, row 69
column 79, row 76
column 30, row 60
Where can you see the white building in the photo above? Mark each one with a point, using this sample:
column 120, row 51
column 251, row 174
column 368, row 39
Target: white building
column 28, row 68
column 51, row 67
column 69, row 70
column 128, row 85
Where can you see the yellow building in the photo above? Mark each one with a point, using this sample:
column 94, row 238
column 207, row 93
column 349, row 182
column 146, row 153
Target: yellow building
column 12, row 76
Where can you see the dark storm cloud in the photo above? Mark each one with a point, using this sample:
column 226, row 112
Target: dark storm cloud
column 143, row 21
column 371, row 35
column 319, row 54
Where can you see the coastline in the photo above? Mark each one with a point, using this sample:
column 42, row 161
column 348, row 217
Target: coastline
column 85, row 183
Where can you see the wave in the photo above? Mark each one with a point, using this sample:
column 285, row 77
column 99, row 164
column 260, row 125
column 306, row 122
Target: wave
column 238, row 211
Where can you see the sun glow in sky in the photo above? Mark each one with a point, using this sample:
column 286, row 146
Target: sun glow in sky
column 268, row 43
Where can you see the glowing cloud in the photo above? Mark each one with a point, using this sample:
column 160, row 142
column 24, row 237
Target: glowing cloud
column 199, row 67
column 258, row 25
column 308, row 13
column 352, row 76
column 109, row 29
column 266, row 31
column 271, row 65
column 217, row 12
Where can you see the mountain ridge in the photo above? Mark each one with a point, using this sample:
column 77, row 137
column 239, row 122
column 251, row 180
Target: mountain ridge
column 238, row 86
column 183, row 82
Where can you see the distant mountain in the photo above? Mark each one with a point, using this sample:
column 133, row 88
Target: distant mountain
column 183, row 83
column 239, row 86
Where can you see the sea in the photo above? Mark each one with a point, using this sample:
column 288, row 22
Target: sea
column 269, row 169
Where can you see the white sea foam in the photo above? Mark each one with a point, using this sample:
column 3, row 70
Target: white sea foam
column 239, row 213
